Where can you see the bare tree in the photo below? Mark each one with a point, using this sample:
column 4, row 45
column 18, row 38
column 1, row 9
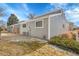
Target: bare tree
column 31, row 16
column 2, row 12
column 1, row 15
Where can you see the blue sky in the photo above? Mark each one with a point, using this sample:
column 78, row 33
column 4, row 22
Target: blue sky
column 21, row 10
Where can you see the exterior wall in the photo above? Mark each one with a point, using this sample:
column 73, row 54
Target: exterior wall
column 39, row 32
column 22, row 30
column 52, row 26
column 16, row 28
column 58, row 25
column 33, row 31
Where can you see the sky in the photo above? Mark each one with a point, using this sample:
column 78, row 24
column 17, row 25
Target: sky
column 21, row 10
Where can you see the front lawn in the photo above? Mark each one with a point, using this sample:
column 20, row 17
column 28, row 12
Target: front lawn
column 33, row 48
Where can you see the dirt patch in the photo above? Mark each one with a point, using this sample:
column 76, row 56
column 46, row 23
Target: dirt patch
column 31, row 46
column 46, row 50
column 18, row 48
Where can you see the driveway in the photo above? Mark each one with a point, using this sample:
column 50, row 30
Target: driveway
column 17, row 37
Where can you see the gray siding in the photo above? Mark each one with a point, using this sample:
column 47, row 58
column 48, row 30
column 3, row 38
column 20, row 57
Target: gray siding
column 36, row 32
column 23, row 29
column 40, row 32
column 56, row 25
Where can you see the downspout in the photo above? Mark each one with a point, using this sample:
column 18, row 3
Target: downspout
column 49, row 28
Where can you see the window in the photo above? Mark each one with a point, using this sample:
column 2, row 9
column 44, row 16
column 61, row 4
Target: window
column 24, row 25
column 63, row 25
column 39, row 24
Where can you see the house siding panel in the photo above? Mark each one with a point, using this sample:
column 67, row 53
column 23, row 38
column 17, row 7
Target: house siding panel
column 39, row 32
column 53, row 25
column 56, row 25
column 22, row 29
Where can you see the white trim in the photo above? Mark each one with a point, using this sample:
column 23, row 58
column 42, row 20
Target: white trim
column 38, row 18
column 49, row 28
column 42, row 23
column 55, row 15
column 49, row 23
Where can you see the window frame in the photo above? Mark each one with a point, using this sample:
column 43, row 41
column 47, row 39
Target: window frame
column 42, row 24
column 63, row 25
column 23, row 26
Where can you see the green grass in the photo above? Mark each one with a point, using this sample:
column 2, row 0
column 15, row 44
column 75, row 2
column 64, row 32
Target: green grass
column 66, row 43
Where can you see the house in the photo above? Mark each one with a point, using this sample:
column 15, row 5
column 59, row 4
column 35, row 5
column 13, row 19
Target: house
column 45, row 26
column 14, row 28
column 71, row 26
column 10, row 28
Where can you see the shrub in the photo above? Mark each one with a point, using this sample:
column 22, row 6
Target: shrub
column 74, row 36
column 65, row 43
column 64, row 36
column 1, row 29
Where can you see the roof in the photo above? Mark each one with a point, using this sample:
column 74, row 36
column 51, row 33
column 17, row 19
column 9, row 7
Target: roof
column 48, row 13
column 51, row 12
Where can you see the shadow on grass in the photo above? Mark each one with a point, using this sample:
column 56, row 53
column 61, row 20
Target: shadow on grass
column 29, row 47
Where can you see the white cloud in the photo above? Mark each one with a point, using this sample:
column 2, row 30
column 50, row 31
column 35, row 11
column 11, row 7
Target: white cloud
column 25, row 7
column 73, row 14
column 71, row 11
column 8, row 9
column 59, row 5
column 21, row 15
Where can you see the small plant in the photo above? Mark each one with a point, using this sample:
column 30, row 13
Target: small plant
column 0, row 29
column 0, row 32
column 64, row 36
column 74, row 36
column 65, row 43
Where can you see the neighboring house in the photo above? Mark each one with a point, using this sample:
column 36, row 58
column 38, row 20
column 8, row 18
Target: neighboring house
column 45, row 26
column 14, row 28
column 10, row 28
column 72, row 26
